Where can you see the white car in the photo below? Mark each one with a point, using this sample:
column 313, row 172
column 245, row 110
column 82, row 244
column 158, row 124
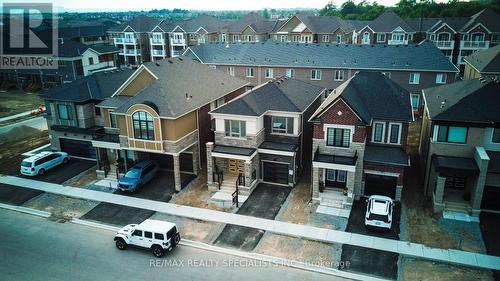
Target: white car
column 39, row 163
column 158, row 236
column 379, row 212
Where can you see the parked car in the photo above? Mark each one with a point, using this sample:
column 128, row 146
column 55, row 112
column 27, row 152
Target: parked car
column 39, row 163
column 158, row 236
column 379, row 212
column 140, row 174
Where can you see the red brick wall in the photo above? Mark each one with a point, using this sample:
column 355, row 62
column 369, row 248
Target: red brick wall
column 387, row 169
column 348, row 117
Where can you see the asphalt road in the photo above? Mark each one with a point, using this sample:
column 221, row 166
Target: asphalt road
column 33, row 248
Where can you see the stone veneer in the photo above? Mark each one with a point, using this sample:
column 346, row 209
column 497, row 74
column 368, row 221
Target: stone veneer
column 251, row 141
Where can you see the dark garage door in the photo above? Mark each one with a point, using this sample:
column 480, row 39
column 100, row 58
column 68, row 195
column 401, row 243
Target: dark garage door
column 491, row 198
column 275, row 172
column 78, row 148
column 380, row 185
column 167, row 161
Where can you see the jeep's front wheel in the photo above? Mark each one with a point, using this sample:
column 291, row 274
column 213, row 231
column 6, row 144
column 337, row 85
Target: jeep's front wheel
column 120, row 244
column 157, row 251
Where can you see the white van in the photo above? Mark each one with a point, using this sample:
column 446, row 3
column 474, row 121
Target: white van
column 158, row 236
column 39, row 163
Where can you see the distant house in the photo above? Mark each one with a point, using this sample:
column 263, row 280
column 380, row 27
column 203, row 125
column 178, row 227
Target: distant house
column 484, row 63
column 388, row 28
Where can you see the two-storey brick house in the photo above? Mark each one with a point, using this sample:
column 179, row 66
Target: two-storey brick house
column 359, row 141
column 263, row 136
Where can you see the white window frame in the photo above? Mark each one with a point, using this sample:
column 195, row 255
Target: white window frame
column 290, row 73
column 306, row 39
column 325, row 38
column 239, row 136
column 269, row 73
column 387, row 74
column 336, row 173
column 295, row 38
column 236, row 38
column 223, row 37
column 249, row 69
column 283, row 38
column 400, row 130
column 213, row 66
column 383, row 132
column 339, row 37
column 415, row 80
column 316, row 76
column 411, row 100
column 336, row 77
column 367, row 34
column 378, row 37
column 332, row 126
column 230, row 70
column 249, row 38
column 280, row 132
column 441, row 81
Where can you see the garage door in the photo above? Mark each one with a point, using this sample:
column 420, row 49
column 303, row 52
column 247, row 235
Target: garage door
column 78, row 148
column 166, row 161
column 491, row 198
column 275, row 172
column 380, row 185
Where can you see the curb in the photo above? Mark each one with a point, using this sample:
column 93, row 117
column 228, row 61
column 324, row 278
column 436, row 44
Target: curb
column 25, row 210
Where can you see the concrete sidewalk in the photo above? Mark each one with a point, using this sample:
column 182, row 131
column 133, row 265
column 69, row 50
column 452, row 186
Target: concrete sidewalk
column 307, row 232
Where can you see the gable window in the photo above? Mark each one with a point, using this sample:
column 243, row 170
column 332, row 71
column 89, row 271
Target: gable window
column 477, row 37
column 398, row 37
column 450, row 134
column 378, row 132
column 282, row 125
column 366, row 38
column 414, row 78
column 64, row 111
column 249, row 72
column 339, row 39
column 235, row 128
column 338, row 137
column 295, row 38
column 496, row 135
column 394, row 133
column 381, row 37
column 112, row 120
column 415, row 101
column 326, row 38
column 440, row 78
column 201, row 39
column 315, row 74
column 236, row 38
column 143, row 125
column 339, row 75
column 269, row 73
column 192, row 36
column 290, row 72
column 91, row 61
column 230, row 70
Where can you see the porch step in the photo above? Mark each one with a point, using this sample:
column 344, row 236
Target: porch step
column 338, row 212
column 457, row 207
column 335, row 203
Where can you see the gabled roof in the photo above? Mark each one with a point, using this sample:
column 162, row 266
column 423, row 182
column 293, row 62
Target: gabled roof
column 474, row 101
column 258, row 23
column 209, row 23
column 487, row 17
column 70, row 49
column 176, row 92
column 422, row 57
column 372, row 96
column 388, row 21
column 139, row 23
column 454, row 23
column 282, row 94
column 321, row 24
column 486, row 61
column 422, row 24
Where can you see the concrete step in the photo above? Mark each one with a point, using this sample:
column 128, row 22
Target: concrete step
column 336, row 203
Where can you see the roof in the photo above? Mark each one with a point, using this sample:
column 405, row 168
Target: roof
column 486, row 61
column 282, row 94
column 156, row 226
column 70, row 49
column 487, row 17
column 422, row 57
column 175, row 92
column 37, row 156
column 94, row 87
column 372, row 96
column 233, row 150
column 455, row 22
column 422, row 24
column 246, row 20
column 104, row 48
column 389, row 155
column 323, row 24
column 450, row 165
column 139, row 23
column 388, row 21
column 209, row 23
column 474, row 101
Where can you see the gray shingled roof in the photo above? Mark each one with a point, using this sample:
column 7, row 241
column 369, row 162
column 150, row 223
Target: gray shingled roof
column 456, row 23
column 139, row 23
column 322, row 24
column 388, row 21
column 71, row 49
column 104, row 48
column 422, row 24
column 385, row 154
column 372, row 96
column 487, row 17
column 421, row 57
column 475, row 101
column 178, row 78
column 486, row 61
column 282, row 94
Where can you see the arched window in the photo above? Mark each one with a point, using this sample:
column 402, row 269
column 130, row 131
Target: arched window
column 143, row 125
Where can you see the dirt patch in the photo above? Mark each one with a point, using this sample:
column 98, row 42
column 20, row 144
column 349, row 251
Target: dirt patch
column 191, row 229
column 17, row 101
column 10, row 154
column 61, row 206
column 196, row 194
column 414, row 269
column 84, row 179
column 317, row 253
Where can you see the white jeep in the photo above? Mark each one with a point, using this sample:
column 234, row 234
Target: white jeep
column 159, row 236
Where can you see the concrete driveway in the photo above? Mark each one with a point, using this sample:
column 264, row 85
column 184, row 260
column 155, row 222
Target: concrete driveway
column 370, row 261
column 264, row 202
column 64, row 172
column 490, row 228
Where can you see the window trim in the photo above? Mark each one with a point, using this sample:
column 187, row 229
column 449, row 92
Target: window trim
column 383, row 131
column 411, row 101
column 292, row 72
column 336, row 173
column 335, row 75
column 240, row 135
column 286, row 126
column 440, row 81
column 252, row 70
column 269, row 73
column 147, row 122
column 378, row 37
column 415, row 81
column 69, row 113
column 325, row 36
column 316, row 71
column 230, row 70
column 435, row 132
column 400, row 131
column 344, row 127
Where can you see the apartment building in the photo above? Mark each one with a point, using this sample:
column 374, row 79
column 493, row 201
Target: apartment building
column 360, row 141
column 485, row 63
column 460, row 146
column 158, row 113
column 262, row 136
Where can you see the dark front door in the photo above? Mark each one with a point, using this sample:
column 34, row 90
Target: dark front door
column 78, row 148
column 455, row 182
column 275, row 172
column 380, row 185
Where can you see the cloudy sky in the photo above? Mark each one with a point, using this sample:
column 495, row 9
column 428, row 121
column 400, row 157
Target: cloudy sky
column 108, row 5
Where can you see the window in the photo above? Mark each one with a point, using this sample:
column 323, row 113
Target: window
column 378, row 132
column 339, row 39
column 398, row 37
column 112, row 120
column 381, row 37
column 415, row 101
column 451, row 134
column 336, row 175
column 387, row 74
column 235, row 128
column 97, row 111
column 338, row 137
column 433, row 36
column 477, row 37
column 249, row 38
column 159, row 236
column 366, row 38
column 394, row 133
column 148, row 234
column 61, row 63
column 306, row 38
column 440, row 78
column 283, row 38
column 315, row 74
column 223, row 37
column 282, row 125
column 496, row 135
column 249, row 72
column 192, row 36
column 295, row 38
column 137, row 232
column 414, row 78
column 290, row 73
column 339, row 75
column 91, row 61
column 64, row 112
column 236, row 38
column 143, row 125
column 269, row 73
column 326, row 38
column 230, row 70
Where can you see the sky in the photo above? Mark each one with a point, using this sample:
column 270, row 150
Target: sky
column 124, row 5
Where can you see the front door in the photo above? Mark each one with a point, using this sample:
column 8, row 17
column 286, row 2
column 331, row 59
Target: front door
column 236, row 166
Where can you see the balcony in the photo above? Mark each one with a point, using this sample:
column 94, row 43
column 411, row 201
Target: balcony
column 130, row 52
column 176, row 41
column 177, row 53
column 160, row 53
column 444, row 44
column 157, row 41
column 474, row 44
column 322, row 160
column 397, row 42
column 124, row 40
